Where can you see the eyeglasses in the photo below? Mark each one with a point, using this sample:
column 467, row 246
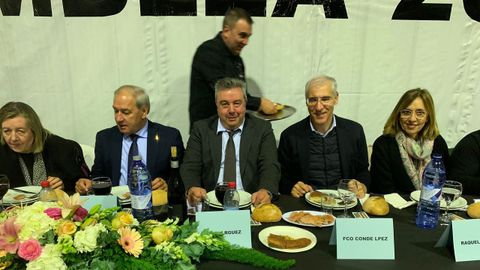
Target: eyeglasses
column 325, row 100
column 407, row 113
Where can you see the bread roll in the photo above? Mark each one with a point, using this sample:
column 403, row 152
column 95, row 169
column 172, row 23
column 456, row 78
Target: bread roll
column 267, row 213
column 376, row 205
column 473, row 210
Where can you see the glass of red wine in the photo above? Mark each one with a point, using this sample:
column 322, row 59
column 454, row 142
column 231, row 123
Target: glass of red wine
column 4, row 186
column 102, row 185
column 220, row 190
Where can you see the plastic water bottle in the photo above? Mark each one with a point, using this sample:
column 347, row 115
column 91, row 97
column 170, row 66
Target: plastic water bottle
column 231, row 200
column 47, row 194
column 140, row 185
column 428, row 207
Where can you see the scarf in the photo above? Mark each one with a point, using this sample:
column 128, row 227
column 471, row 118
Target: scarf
column 415, row 155
column 39, row 171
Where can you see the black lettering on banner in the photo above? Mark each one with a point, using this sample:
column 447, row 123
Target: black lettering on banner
column 12, row 7
column 219, row 7
column 472, row 8
column 168, row 7
column 92, row 8
column 417, row 10
column 334, row 9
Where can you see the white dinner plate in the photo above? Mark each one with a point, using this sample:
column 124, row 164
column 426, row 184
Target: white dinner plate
column 291, row 231
column 12, row 196
column 315, row 213
column 338, row 202
column 245, row 199
column 455, row 205
column 122, row 192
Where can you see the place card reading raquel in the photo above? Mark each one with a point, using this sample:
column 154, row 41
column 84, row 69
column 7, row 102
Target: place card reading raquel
column 234, row 224
column 466, row 239
column 107, row 201
column 369, row 238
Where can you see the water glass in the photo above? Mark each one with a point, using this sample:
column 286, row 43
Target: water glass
column 346, row 192
column 102, row 185
column 450, row 192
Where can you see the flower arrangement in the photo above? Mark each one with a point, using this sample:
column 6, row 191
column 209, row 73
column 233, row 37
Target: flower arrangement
column 63, row 235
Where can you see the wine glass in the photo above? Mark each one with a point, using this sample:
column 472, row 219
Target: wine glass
column 4, row 186
column 346, row 192
column 101, row 185
column 220, row 189
column 450, row 192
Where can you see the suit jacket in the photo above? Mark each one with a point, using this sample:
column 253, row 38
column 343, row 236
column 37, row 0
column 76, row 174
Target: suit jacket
column 259, row 167
column 294, row 154
column 464, row 165
column 387, row 170
column 63, row 159
column 108, row 151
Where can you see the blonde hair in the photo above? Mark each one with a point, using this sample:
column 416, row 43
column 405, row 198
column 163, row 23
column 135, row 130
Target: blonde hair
column 430, row 130
column 15, row 109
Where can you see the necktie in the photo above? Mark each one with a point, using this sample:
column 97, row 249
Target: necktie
column 133, row 150
column 229, row 166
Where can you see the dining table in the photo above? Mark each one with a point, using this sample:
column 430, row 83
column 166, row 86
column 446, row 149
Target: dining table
column 414, row 246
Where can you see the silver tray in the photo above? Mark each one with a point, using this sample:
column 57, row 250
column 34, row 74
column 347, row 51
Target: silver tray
column 286, row 112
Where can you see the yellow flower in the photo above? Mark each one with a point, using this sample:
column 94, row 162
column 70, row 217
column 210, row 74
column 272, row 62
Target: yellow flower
column 161, row 234
column 131, row 241
column 5, row 264
column 125, row 218
column 66, row 227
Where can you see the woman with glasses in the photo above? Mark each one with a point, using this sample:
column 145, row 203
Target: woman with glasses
column 30, row 154
column 409, row 138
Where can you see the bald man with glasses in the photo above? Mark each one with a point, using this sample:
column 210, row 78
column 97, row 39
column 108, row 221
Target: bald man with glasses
column 323, row 148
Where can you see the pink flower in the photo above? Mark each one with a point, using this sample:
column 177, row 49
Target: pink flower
column 55, row 213
column 30, row 250
column 9, row 235
column 80, row 214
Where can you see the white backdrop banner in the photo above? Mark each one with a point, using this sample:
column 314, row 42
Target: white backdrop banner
column 65, row 58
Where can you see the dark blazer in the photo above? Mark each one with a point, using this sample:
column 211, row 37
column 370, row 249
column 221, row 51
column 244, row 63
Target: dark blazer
column 387, row 170
column 464, row 164
column 108, row 151
column 258, row 156
column 293, row 152
column 213, row 61
column 63, row 159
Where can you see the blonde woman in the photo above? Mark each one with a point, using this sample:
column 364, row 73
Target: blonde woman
column 409, row 138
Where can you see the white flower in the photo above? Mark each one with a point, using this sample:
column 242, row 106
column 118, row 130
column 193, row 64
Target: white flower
column 50, row 259
column 86, row 240
column 34, row 221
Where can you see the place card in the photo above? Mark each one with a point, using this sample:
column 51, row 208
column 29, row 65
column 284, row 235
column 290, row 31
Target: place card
column 364, row 238
column 107, row 201
column 234, row 224
column 464, row 237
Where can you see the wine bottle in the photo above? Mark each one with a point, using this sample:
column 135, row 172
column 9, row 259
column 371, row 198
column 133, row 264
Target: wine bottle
column 176, row 190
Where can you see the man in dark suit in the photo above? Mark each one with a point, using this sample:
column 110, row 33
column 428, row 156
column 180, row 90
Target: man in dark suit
column 219, row 58
column 323, row 148
column 131, row 106
column 257, row 169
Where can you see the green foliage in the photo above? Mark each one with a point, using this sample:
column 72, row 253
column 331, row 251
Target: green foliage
column 47, row 238
column 248, row 256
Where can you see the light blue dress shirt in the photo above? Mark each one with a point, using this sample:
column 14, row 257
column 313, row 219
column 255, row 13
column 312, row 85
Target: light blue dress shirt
column 334, row 124
column 142, row 150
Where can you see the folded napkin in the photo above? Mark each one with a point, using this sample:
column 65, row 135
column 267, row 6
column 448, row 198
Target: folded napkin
column 362, row 200
column 397, row 201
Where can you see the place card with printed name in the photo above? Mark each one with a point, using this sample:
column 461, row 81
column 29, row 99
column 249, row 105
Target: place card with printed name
column 234, row 224
column 107, row 201
column 464, row 236
column 364, row 239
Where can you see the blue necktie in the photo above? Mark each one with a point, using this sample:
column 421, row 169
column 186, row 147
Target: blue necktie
column 133, row 150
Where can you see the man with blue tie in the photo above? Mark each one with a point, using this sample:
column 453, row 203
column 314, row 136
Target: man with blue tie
column 134, row 134
column 231, row 145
